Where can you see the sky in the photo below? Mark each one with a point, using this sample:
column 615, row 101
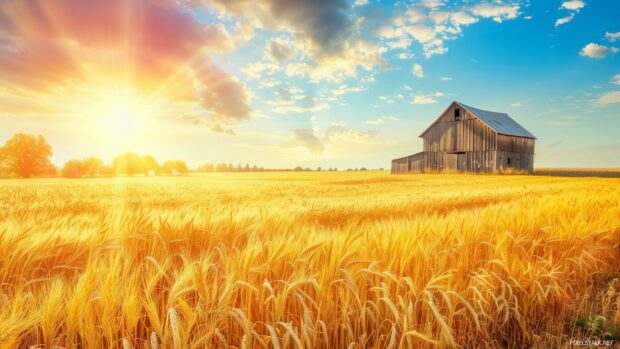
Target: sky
column 283, row 83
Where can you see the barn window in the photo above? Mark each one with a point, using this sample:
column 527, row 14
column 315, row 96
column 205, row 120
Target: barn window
column 457, row 114
column 508, row 161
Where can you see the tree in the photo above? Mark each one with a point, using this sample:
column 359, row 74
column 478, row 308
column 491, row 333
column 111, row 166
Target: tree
column 74, row 169
column 26, row 156
column 174, row 166
column 129, row 163
column 94, row 166
column 150, row 164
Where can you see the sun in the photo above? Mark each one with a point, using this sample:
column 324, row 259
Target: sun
column 122, row 122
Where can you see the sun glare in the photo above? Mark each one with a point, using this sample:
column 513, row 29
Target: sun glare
column 122, row 122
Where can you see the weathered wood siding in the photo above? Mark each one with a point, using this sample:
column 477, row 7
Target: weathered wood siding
column 476, row 161
column 466, row 134
column 408, row 164
column 515, row 144
column 512, row 161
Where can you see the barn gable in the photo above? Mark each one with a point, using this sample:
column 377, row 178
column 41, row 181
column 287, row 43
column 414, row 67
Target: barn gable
column 501, row 123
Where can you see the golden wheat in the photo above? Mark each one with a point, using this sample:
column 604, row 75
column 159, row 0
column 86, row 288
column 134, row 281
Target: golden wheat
column 313, row 260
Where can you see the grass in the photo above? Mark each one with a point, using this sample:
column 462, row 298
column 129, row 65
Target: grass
column 314, row 260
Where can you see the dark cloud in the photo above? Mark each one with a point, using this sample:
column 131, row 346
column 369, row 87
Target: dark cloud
column 323, row 22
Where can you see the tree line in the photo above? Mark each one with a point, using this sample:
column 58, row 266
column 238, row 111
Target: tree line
column 26, row 156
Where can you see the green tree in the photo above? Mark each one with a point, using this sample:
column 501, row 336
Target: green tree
column 27, row 156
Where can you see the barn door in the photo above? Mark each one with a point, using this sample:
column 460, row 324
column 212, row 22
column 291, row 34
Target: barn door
column 462, row 162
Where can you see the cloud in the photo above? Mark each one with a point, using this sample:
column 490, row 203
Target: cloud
column 593, row 50
column 417, row 70
column 378, row 121
column 279, row 50
column 431, row 26
column 423, row 99
column 305, row 137
column 573, row 5
column 360, row 3
column 215, row 127
column 616, row 79
column 612, row 37
column 516, row 105
column 446, row 78
column 342, row 133
column 323, row 30
column 564, row 20
column 72, row 43
column 257, row 69
column 335, row 133
column 498, row 11
column 381, row 120
column 612, row 97
column 223, row 95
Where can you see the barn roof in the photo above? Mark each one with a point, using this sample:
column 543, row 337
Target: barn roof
column 500, row 122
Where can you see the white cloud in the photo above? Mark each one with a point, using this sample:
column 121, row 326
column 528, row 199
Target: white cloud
column 422, row 99
column 616, row 79
column 516, row 105
column 360, row 3
column 593, row 50
column 391, row 118
column 446, row 78
column 564, row 20
column 612, row 97
column 463, row 18
column 378, row 121
column 405, row 55
column 417, row 70
column 498, row 12
column 573, row 5
column 256, row 70
column 612, row 37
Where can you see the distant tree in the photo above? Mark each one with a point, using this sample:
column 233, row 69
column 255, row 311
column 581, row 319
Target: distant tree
column 298, row 168
column 94, row 167
column 74, row 169
column 129, row 163
column 255, row 168
column 206, row 168
column 174, row 166
column 247, row 168
column 318, row 169
column 26, row 156
column 150, row 164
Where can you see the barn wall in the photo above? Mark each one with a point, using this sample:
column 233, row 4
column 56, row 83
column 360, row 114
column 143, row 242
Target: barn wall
column 518, row 161
column 475, row 161
column 410, row 164
column 515, row 144
column 467, row 134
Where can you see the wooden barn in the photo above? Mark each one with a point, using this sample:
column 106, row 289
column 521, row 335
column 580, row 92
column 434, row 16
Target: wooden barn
column 468, row 139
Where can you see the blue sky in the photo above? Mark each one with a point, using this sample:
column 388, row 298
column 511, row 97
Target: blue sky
column 351, row 83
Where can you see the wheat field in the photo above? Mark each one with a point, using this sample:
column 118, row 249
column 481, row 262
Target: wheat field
column 309, row 260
